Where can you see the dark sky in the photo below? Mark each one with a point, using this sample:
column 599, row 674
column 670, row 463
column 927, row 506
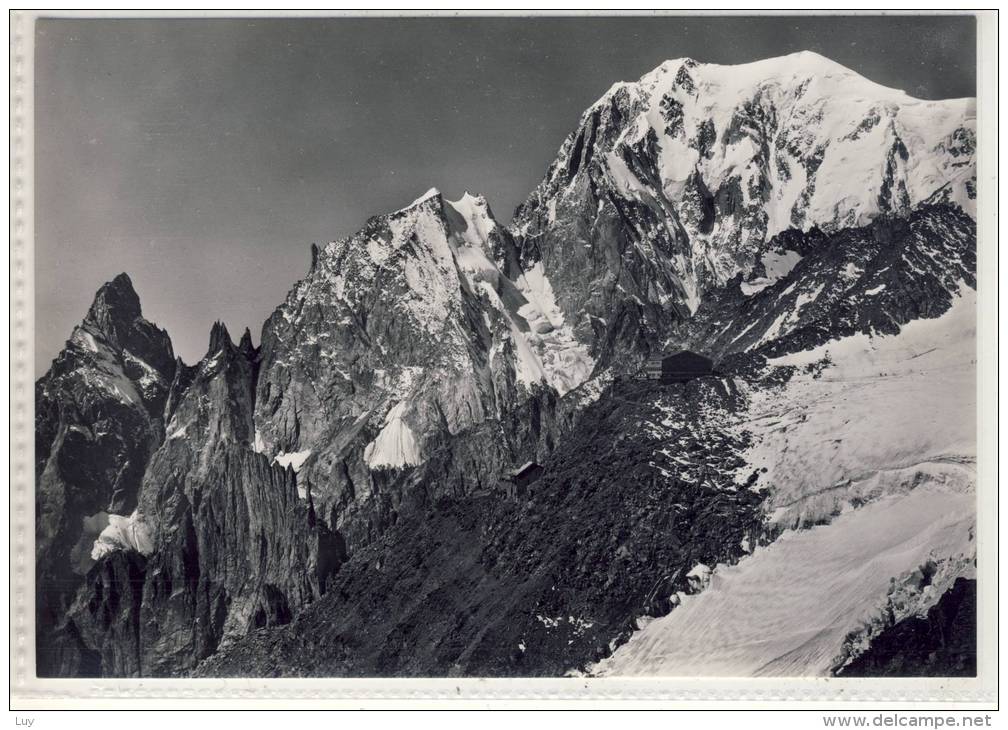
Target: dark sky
column 203, row 157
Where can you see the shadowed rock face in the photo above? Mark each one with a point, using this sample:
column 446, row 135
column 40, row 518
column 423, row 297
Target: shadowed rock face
column 871, row 279
column 233, row 548
column 483, row 585
column 97, row 422
column 941, row 644
column 218, row 542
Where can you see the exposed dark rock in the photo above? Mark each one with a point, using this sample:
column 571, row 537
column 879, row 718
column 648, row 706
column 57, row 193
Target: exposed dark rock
column 220, row 541
column 943, row 644
column 107, row 615
column 97, row 422
column 483, row 585
column 870, row 279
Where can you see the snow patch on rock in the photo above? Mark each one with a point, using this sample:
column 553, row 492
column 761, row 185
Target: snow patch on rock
column 293, row 459
column 258, row 445
column 565, row 362
column 177, row 432
column 124, row 533
column 395, row 445
column 432, row 192
column 698, row 577
column 85, row 339
column 777, row 265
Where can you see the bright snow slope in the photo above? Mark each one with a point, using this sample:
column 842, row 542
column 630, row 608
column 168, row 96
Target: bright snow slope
column 889, row 424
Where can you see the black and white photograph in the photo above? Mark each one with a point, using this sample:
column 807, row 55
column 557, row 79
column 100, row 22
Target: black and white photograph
column 571, row 347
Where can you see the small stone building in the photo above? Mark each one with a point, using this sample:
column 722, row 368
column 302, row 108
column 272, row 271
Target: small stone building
column 678, row 367
column 516, row 481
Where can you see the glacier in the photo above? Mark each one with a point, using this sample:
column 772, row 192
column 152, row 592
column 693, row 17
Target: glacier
column 874, row 456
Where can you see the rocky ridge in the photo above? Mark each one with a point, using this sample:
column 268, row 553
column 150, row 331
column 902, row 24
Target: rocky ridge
column 401, row 338
column 97, row 423
column 218, row 541
column 810, row 288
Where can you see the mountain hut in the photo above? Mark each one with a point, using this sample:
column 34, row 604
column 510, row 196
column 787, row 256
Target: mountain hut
column 678, row 367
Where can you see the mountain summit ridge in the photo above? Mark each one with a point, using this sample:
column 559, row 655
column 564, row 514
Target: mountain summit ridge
column 671, row 185
column 798, row 63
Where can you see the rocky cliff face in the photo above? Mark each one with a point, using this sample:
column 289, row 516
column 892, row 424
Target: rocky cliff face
column 400, row 338
column 674, row 184
column 404, row 367
column 97, row 423
column 940, row 644
column 629, row 504
column 813, row 287
column 347, row 468
column 218, row 542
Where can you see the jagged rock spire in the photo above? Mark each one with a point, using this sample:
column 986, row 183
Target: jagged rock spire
column 245, row 346
column 115, row 318
column 115, row 305
column 219, row 338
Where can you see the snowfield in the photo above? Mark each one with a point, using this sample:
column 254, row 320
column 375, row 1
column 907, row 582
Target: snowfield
column 786, row 609
column 887, row 414
column 565, row 362
column 293, row 459
column 881, row 444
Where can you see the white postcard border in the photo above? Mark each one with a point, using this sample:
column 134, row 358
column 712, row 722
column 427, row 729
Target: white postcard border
column 29, row 692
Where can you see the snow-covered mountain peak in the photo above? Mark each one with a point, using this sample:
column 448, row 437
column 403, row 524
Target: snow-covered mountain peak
column 430, row 240
column 477, row 224
column 700, row 165
column 413, row 316
column 467, row 195
column 432, row 194
column 470, row 201
column 472, row 206
column 714, row 79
